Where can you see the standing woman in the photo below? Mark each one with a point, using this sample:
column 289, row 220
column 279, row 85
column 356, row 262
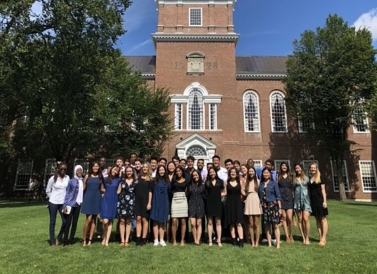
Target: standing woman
column 243, row 173
column 302, row 203
column 72, row 204
column 126, row 204
column 91, row 204
column 160, row 204
column 285, row 188
column 252, row 205
column 56, row 190
column 179, row 207
column 171, row 171
column 109, row 203
column 196, row 205
column 143, row 201
column 214, row 188
column 271, row 205
column 233, row 206
column 318, row 202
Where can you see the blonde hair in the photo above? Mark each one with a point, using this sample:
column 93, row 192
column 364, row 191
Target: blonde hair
column 147, row 176
column 317, row 176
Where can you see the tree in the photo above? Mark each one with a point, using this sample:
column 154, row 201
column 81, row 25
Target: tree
column 331, row 76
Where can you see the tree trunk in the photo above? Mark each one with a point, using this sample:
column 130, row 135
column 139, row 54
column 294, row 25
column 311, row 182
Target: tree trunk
column 339, row 171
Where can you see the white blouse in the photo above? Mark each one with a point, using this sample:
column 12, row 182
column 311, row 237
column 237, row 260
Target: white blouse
column 56, row 190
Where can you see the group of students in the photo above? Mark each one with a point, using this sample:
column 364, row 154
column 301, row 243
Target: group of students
column 161, row 196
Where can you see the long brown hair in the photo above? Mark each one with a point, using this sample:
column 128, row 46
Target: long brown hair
column 251, row 179
column 280, row 175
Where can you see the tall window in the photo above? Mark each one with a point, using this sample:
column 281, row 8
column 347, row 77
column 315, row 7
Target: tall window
column 251, row 112
column 195, row 16
column 178, row 116
column 278, row 112
column 212, row 117
column 305, row 125
column 306, row 164
column 277, row 163
column 368, row 176
column 335, row 176
column 359, row 118
column 195, row 108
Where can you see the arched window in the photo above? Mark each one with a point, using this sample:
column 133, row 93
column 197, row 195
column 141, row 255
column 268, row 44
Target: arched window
column 196, row 151
column 251, row 112
column 195, row 110
column 278, row 112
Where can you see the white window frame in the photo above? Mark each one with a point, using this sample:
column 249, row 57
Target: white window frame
column 178, row 116
column 245, row 121
column 201, row 17
column 306, row 164
column 285, row 112
column 188, row 124
column 335, row 176
column 373, row 168
column 214, row 116
column 301, row 126
column 258, row 163
column 365, row 120
column 277, row 164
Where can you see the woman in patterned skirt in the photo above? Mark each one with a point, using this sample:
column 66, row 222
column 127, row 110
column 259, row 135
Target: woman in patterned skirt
column 271, row 205
column 126, row 204
column 196, row 205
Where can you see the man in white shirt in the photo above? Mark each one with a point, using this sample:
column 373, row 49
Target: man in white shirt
column 221, row 172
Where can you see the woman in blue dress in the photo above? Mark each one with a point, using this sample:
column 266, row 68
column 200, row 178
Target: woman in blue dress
column 109, row 203
column 91, row 204
column 160, row 205
column 126, row 204
column 302, row 203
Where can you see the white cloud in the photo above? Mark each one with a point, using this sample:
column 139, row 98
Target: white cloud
column 368, row 20
column 142, row 44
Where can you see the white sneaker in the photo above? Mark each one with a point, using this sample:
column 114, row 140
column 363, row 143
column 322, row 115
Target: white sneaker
column 273, row 241
column 155, row 243
column 264, row 240
column 162, row 243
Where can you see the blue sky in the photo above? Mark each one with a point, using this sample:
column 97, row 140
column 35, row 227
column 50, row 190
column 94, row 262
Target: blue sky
column 267, row 27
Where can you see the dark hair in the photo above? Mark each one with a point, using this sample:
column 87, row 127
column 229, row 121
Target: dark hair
column 100, row 176
column 180, row 168
column 183, row 159
column 269, row 161
column 133, row 153
column 175, row 158
column 237, row 175
column 59, row 165
column 134, row 174
column 201, row 159
column 153, row 158
column 164, row 159
column 280, row 175
column 209, row 164
column 192, row 182
column 190, row 157
column 138, row 160
column 228, row 160
column 237, row 162
column 216, row 157
column 119, row 158
column 249, row 179
column 110, row 177
column 208, row 180
column 163, row 178
column 262, row 178
column 302, row 170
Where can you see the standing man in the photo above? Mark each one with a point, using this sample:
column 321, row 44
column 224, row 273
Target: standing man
column 154, row 162
column 175, row 160
column 221, row 172
column 250, row 163
column 133, row 157
column 200, row 168
column 228, row 164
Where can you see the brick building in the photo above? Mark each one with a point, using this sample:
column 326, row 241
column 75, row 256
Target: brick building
column 232, row 105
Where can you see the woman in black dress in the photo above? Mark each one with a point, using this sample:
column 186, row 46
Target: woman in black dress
column 214, row 188
column 233, row 207
column 143, row 201
column 126, row 204
column 317, row 193
column 286, row 193
column 196, row 205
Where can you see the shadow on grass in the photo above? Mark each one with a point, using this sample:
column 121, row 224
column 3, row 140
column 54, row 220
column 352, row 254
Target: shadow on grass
column 19, row 203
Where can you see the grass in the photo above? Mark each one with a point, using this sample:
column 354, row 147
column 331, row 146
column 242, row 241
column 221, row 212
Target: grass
column 351, row 248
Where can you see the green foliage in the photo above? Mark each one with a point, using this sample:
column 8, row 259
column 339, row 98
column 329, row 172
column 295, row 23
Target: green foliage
column 331, row 75
column 62, row 83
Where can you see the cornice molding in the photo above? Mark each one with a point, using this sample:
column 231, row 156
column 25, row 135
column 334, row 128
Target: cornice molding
column 260, row 76
column 195, row 2
column 148, row 76
column 162, row 37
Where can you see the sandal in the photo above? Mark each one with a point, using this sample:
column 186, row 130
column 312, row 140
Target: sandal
column 89, row 242
column 122, row 244
column 83, row 242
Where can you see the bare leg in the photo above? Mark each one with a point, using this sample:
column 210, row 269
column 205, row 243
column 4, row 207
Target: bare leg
column 138, row 226
column 105, row 226
column 210, row 230
column 145, row 228
column 122, row 229
column 277, row 235
column 325, row 228
column 183, row 231
column 161, row 230
column 251, row 230
column 174, row 226
column 168, row 229
column 306, row 216
column 289, row 219
column 268, row 234
column 92, row 229
column 285, row 227
column 198, row 230
column 218, row 230
column 128, row 230
column 86, row 228
column 109, row 228
column 300, row 225
column 240, row 231
column 232, row 231
column 193, row 229
column 256, row 229
column 155, row 230
column 319, row 226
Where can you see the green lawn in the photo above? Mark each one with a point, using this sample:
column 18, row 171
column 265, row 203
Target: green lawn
column 351, row 248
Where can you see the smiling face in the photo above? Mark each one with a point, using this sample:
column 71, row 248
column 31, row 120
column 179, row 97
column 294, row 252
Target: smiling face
column 171, row 167
column 178, row 173
column 243, row 170
column 144, row 169
column 161, row 171
column 266, row 175
column 195, row 176
column 115, row 171
column 251, row 172
column 212, row 173
column 62, row 170
column 313, row 169
column 200, row 164
column 284, row 167
column 95, row 168
column 129, row 172
column 233, row 174
column 79, row 172
column 298, row 170
column 137, row 165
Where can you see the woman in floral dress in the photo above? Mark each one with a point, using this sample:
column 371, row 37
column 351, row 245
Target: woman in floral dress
column 126, row 204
